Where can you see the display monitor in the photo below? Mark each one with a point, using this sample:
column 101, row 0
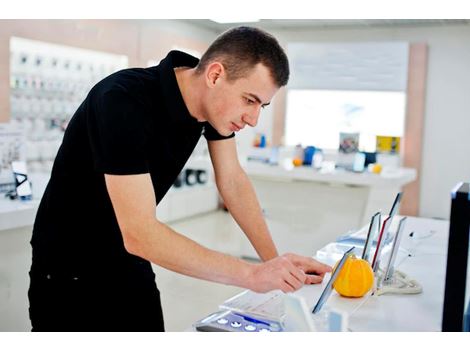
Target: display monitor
column 455, row 316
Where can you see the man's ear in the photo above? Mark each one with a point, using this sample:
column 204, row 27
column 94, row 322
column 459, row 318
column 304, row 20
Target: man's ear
column 214, row 71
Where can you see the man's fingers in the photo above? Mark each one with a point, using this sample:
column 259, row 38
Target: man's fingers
column 308, row 264
column 313, row 279
column 294, row 276
column 298, row 273
column 286, row 287
column 325, row 268
column 313, row 266
column 293, row 281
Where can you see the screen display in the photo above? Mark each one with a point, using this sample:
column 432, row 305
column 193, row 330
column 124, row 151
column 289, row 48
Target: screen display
column 467, row 297
column 329, row 286
column 456, row 295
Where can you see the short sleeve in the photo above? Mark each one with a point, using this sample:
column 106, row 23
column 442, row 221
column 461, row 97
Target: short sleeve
column 211, row 134
column 117, row 134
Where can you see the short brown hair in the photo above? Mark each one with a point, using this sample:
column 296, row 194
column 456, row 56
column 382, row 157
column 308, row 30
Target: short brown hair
column 239, row 49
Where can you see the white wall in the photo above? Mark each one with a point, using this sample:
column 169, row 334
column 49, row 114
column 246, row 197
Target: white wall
column 446, row 150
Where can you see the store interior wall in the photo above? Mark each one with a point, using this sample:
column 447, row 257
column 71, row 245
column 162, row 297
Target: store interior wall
column 446, row 122
column 140, row 40
column 447, row 108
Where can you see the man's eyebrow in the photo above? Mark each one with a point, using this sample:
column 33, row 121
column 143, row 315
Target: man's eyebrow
column 254, row 96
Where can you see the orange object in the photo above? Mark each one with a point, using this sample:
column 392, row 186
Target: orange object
column 297, row 162
column 377, row 168
column 355, row 279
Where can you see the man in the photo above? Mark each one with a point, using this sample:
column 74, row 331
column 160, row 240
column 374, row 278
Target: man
column 96, row 231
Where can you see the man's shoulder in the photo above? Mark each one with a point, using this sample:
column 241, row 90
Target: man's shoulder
column 126, row 80
column 127, row 85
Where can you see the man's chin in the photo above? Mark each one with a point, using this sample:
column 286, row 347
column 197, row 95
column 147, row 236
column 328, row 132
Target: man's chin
column 225, row 133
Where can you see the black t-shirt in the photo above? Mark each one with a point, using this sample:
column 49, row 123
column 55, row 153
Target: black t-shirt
column 132, row 122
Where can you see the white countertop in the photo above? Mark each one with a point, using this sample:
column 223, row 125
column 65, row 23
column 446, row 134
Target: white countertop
column 18, row 213
column 396, row 177
column 427, row 264
column 393, row 312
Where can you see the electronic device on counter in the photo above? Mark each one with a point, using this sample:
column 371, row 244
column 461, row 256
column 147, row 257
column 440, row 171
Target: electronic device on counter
column 390, row 266
column 380, row 244
column 250, row 311
column 393, row 212
column 372, row 234
column 456, row 311
column 268, row 305
column 359, row 162
column 359, row 237
column 389, row 280
column 329, row 286
column 190, row 177
column 228, row 321
column 201, row 176
column 23, row 186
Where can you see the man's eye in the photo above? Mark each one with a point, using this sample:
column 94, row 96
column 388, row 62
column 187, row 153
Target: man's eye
column 249, row 101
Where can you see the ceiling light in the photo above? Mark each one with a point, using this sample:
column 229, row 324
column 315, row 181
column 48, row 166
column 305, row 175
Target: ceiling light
column 234, row 20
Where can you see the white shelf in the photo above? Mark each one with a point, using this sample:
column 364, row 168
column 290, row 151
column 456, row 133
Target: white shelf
column 179, row 203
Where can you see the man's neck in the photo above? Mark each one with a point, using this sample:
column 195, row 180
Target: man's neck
column 188, row 83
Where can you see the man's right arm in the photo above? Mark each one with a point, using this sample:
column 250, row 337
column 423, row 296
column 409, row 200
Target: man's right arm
column 134, row 204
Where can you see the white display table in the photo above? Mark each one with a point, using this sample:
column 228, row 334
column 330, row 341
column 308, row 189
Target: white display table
column 422, row 257
column 303, row 202
column 179, row 203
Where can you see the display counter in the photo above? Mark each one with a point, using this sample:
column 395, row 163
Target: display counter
column 422, row 257
column 303, row 202
column 179, row 203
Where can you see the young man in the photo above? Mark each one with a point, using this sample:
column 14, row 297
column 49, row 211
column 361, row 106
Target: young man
column 96, row 231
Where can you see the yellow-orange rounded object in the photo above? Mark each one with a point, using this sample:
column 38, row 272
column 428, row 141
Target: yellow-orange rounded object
column 297, row 162
column 355, row 279
column 377, row 168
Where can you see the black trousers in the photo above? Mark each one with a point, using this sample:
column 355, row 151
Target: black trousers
column 117, row 301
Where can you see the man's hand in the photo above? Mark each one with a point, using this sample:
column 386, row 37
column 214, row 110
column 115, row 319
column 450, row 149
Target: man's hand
column 276, row 274
column 314, row 270
column 288, row 273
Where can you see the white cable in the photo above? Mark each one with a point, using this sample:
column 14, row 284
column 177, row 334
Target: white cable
column 400, row 283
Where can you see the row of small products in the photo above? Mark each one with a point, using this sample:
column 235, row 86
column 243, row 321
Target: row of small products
column 191, row 177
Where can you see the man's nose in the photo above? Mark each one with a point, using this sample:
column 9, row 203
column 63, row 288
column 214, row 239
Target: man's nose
column 251, row 120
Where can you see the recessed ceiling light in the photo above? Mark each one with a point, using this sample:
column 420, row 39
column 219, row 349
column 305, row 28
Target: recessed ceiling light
column 234, row 20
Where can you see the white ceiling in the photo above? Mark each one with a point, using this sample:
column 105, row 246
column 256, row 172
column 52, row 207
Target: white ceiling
column 294, row 24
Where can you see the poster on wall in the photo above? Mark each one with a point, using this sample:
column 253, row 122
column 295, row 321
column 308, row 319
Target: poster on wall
column 348, row 142
column 388, row 144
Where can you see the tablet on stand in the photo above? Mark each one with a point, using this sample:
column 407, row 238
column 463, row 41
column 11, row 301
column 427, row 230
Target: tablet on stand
column 371, row 235
column 390, row 267
column 329, row 286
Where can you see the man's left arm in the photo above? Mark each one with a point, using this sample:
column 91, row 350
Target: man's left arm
column 239, row 196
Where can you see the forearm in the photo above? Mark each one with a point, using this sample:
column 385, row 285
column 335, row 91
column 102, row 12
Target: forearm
column 240, row 199
column 165, row 247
